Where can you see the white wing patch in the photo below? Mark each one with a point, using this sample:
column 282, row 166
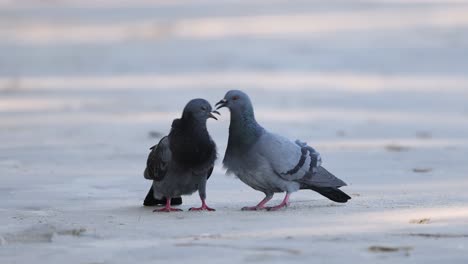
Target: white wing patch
column 315, row 157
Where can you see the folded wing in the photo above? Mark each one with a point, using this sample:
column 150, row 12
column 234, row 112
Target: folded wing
column 290, row 160
column 158, row 160
column 295, row 161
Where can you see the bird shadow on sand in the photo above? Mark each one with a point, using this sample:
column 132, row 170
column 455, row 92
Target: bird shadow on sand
column 234, row 208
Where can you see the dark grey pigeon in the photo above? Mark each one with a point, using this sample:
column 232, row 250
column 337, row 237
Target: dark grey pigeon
column 182, row 162
column 270, row 163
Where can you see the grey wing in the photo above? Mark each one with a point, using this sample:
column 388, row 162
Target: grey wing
column 158, row 160
column 289, row 160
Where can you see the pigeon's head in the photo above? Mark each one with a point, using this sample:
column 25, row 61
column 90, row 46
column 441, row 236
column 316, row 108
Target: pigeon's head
column 237, row 102
column 199, row 110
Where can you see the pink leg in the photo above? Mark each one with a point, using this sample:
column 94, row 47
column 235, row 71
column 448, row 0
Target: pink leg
column 203, row 207
column 168, row 207
column 259, row 206
column 284, row 203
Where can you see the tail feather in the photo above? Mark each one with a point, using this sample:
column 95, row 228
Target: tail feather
column 333, row 194
column 151, row 201
column 323, row 178
column 326, row 184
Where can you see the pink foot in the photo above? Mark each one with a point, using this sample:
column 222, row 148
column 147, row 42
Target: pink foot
column 168, row 207
column 259, row 206
column 253, row 208
column 276, row 208
column 283, row 204
column 167, row 210
column 204, row 207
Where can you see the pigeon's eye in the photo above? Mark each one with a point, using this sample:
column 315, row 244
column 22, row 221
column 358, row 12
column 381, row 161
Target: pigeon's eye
column 203, row 108
column 235, row 97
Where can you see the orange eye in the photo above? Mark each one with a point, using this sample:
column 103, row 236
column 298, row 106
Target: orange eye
column 235, row 97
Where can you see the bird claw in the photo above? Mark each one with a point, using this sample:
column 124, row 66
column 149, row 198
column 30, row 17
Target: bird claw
column 167, row 210
column 252, row 208
column 276, row 208
column 203, row 208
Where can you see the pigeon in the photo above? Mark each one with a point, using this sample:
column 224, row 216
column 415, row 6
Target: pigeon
column 182, row 161
column 271, row 163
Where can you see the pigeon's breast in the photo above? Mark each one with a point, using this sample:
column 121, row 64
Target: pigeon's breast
column 177, row 183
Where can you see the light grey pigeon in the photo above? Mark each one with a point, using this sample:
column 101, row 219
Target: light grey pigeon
column 270, row 163
column 182, row 162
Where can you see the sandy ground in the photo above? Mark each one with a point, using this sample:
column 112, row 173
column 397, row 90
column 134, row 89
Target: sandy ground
column 380, row 88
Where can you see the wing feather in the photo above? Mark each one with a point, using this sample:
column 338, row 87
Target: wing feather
column 289, row 160
column 158, row 160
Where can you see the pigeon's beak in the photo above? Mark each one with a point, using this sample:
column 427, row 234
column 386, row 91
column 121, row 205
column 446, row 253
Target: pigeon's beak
column 210, row 115
column 221, row 104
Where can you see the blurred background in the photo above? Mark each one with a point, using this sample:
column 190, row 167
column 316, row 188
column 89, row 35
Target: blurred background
column 379, row 87
column 78, row 78
column 91, row 83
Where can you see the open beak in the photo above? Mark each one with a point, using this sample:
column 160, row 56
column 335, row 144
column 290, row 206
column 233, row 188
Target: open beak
column 221, row 104
column 210, row 115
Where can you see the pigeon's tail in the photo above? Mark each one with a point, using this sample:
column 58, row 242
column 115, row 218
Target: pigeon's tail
column 321, row 179
column 333, row 194
column 151, row 201
column 326, row 184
